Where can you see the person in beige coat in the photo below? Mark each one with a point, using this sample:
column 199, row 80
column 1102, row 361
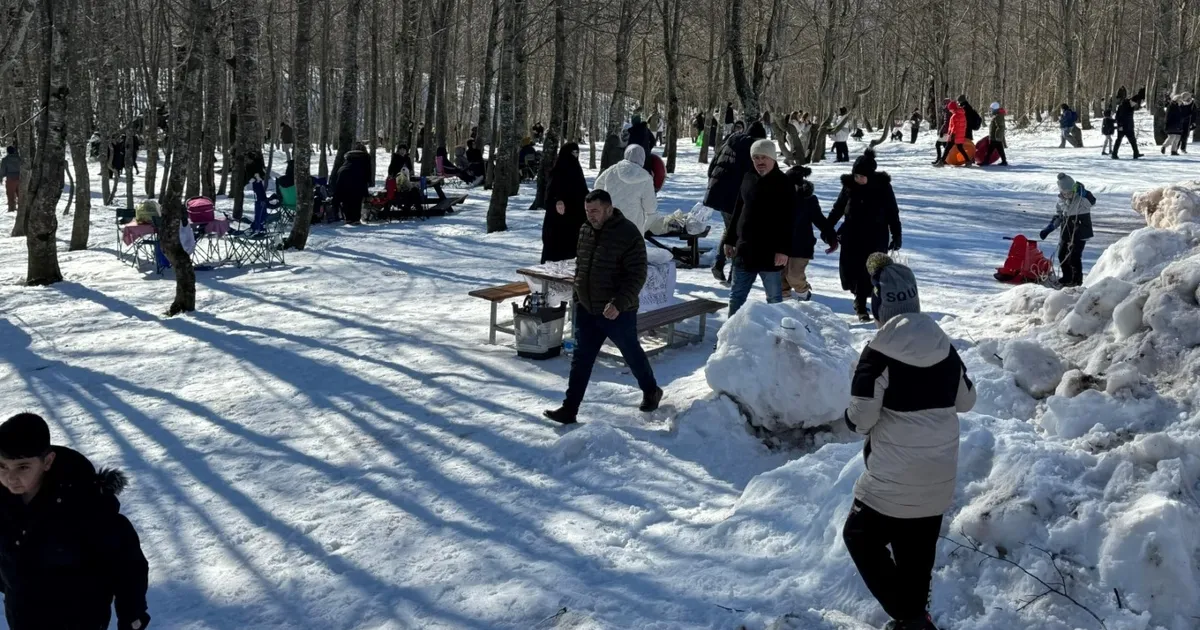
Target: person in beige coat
column 908, row 389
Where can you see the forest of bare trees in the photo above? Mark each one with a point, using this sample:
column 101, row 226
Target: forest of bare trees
column 215, row 74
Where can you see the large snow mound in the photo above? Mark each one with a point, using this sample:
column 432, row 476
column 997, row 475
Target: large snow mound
column 1169, row 206
column 785, row 378
column 1113, row 519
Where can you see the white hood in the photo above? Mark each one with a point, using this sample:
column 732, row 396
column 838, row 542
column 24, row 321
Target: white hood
column 632, row 192
column 912, row 338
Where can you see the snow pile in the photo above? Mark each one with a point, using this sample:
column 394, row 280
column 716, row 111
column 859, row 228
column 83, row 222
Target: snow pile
column 1169, row 206
column 1119, row 514
column 796, row 377
column 1036, row 369
column 1143, row 254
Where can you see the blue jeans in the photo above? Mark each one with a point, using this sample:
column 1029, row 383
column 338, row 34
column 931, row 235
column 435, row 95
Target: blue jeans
column 743, row 281
column 590, row 333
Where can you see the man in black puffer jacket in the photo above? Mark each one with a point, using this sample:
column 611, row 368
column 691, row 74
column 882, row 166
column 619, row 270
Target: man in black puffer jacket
column 610, row 269
column 725, row 175
column 760, row 233
column 1125, row 127
column 66, row 552
column 869, row 206
column 805, row 217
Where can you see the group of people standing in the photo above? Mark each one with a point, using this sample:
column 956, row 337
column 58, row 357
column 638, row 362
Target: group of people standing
column 770, row 217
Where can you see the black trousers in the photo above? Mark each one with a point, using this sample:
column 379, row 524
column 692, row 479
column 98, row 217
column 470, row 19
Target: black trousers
column 843, row 151
column 352, row 209
column 914, row 135
column 1070, row 262
column 940, row 147
column 591, row 331
column 899, row 580
column 961, row 149
column 1131, row 136
column 720, row 261
column 1000, row 151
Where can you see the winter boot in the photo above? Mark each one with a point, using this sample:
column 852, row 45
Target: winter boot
column 719, row 273
column 804, row 297
column 650, row 400
column 562, row 415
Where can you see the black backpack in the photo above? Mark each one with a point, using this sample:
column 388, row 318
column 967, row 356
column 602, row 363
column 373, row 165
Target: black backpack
column 974, row 120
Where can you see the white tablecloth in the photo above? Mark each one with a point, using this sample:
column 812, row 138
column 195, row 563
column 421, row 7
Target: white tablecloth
column 659, row 290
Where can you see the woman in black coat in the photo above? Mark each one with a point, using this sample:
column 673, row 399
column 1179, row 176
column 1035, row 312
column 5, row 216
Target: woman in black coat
column 564, row 206
column 868, row 205
column 353, row 181
column 806, row 216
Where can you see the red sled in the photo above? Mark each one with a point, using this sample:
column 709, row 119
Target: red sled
column 985, row 154
column 1025, row 263
column 658, row 171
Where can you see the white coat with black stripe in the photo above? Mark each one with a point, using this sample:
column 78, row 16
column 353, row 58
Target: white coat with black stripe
column 908, row 389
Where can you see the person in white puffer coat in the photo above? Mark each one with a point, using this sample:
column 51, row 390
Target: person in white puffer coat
column 632, row 190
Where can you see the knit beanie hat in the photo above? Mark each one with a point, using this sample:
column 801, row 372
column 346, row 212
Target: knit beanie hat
column 24, row 435
column 636, row 154
column 763, row 147
column 757, row 130
column 1065, row 183
column 895, row 288
column 865, row 164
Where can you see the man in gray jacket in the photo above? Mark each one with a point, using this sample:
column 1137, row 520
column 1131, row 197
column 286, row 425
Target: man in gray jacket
column 10, row 172
column 908, row 389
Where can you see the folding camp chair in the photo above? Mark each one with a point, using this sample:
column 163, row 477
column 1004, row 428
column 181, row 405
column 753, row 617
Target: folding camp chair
column 262, row 241
column 147, row 249
column 124, row 216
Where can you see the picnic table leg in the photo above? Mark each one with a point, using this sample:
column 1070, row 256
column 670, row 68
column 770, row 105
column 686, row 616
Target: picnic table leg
column 671, row 334
column 492, row 326
column 695, row 247
column 703, row 317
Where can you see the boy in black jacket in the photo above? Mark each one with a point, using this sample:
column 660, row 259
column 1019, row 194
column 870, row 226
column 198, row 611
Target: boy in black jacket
column 806, row 216
column 66, row 552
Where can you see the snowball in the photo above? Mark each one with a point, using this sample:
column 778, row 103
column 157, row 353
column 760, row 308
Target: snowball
column 1057, row 303
column 1169, row 206
column 785, row 378
column 1142, row 255
column 1094, row 309
column 1127, row 316
column 1036, row 368
column 1149, row 556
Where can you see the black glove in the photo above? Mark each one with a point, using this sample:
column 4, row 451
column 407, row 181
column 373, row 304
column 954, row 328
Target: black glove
column 895, row 244
column 1044, row 234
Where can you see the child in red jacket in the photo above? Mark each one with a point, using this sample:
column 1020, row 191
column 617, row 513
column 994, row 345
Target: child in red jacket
column 957, row 133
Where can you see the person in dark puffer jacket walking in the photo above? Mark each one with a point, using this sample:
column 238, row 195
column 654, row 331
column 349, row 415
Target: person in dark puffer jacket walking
column 66, row 552
column 609, row 273
column 906, row 394
column 725, row 176
column 868, row 205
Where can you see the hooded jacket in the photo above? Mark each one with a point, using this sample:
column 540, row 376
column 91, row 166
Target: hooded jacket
column 10, row 166
column 1125, row 116
column 871, row 216
column 1067, row 119
column 997, row 129
column 632, row 190
column 843, row 133
column 805, row 217
column 1074, row 215
column 66, row 555
column 354, row 176
column 1175, row 124
column 1108, row 126
column 762, row 222
column 611, row 265
column 906, row 394
column 729, row 167
column 958, row 123
column 560, row 232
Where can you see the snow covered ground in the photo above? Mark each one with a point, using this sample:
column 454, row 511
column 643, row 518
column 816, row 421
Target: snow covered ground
column 332, row 444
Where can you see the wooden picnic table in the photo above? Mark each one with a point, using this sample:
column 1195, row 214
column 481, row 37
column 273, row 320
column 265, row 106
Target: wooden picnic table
column 689, row 256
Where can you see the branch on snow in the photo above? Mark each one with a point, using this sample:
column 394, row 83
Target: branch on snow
column 1059, row 589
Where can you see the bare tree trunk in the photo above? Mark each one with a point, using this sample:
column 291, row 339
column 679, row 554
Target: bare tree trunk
column 80, row 115
column 506, row 158
column 672, row 20
column 301, row 86
column 616, row 108
column 485, row 77
column 14, row 42
column 41, row 219
column 558, row 97
column 326, row 90
column 248, row 141
column 214, row 75
column 1161, row 95
column 348, row 114
column 185, row 128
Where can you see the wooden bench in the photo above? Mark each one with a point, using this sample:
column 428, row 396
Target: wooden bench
column 668, row 316
column 496, row 295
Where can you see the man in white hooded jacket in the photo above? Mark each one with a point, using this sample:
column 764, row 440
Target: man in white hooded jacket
column 632, row 190
column 906, row 394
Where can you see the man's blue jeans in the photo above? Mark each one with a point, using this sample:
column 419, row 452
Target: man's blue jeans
column 743, row 281
column 591, row 330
